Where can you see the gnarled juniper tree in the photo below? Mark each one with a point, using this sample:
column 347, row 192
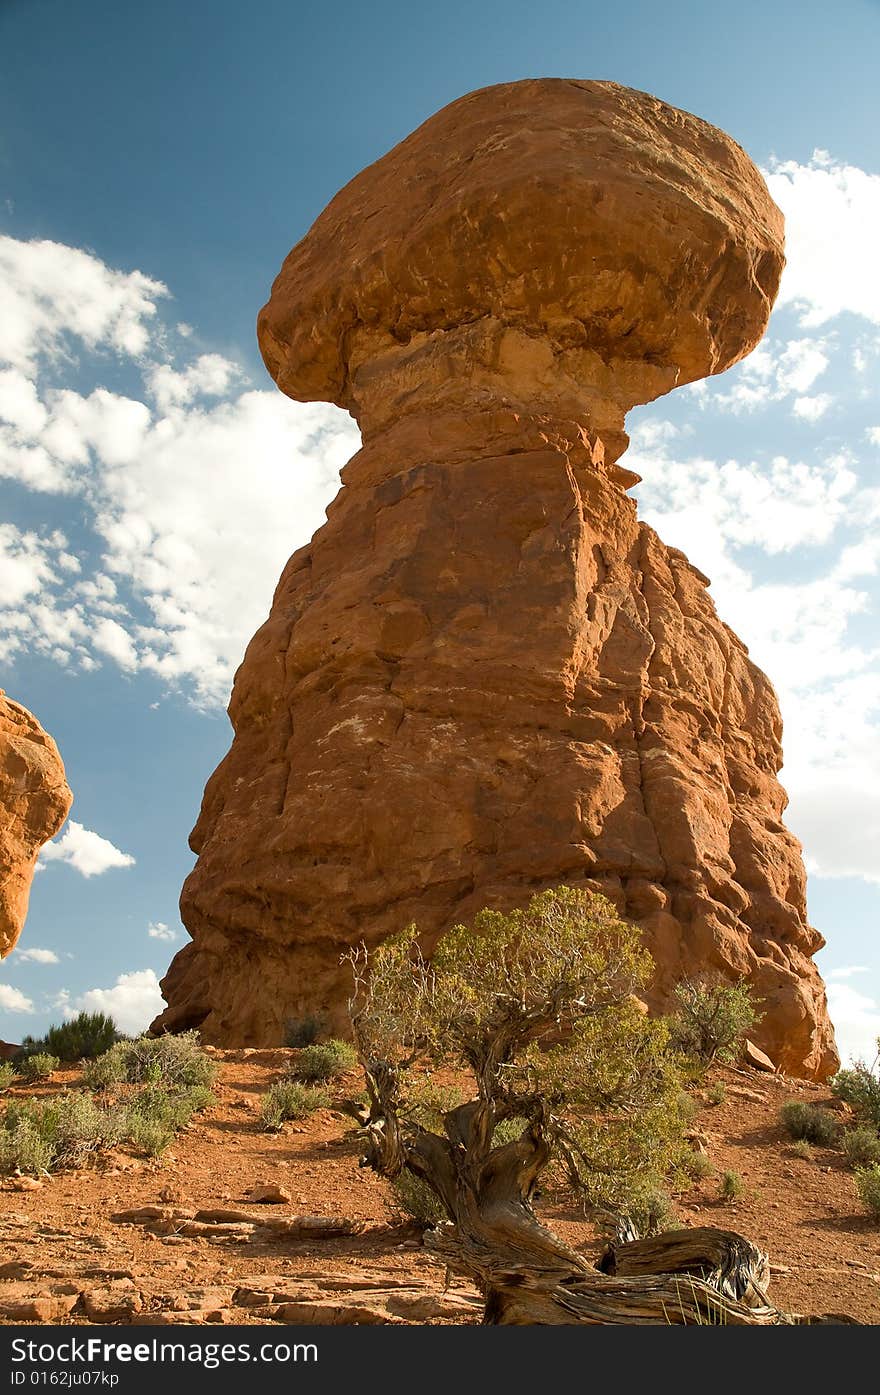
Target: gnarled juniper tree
column 539, row 1007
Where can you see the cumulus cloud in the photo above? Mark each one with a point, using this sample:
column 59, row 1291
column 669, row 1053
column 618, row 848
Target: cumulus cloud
column 775, row 372
column 158, row 930
column 49, row 292
column 37, row 956
column 832, row 231
column 85, row 851
column 133, row 1001
column 856, row 1019
column 13, row 1000
column 196, row 492
column 732, row 519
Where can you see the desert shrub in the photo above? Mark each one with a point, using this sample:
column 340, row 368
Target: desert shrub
column 178, row 1062
column 151, row 1136
column 802, row 1148
column 325, row 1060
column 415, row 1199
column 810, row 1121
column 711, row 1017
column 71, row 1126
column 39, row 1066
column 868, row 1188
column 651, row 1212
column 861, row 1145
column 687, row 1107
column 717, row 1093
column 303, row 1031
column 23, row 1148
column 859, row 1087
column 696, row 1166
column 539, row 1006
column 730, row 1186
column 84, row 1036
column 8, row 1074
column 65, row 1130
column 291, row 1099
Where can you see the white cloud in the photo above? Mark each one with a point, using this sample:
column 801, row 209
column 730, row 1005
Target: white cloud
column 110, row 638
column 832, row 231
column 812, row 408
column 773, row 373
column 732, row 520
column 133, row 1001
column 196, row 501
column 85, row 851
column 856, row 1019
column 37, row 956
column 847, row 972
column 13, row 1000
column 160, row 931
column 49, row 291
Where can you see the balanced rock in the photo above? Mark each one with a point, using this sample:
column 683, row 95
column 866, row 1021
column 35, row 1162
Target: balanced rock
column 34, row 802
column 484, row 676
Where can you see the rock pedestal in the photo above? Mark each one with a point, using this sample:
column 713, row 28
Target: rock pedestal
column 484, row 676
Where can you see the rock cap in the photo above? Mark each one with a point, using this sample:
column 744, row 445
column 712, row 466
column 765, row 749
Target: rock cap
column 553, row 244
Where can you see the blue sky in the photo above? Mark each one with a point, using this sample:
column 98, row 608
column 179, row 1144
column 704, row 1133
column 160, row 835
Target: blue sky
column 156, row 164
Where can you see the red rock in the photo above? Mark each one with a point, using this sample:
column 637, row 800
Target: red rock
column 484, row 676
column 756, row 1058
column 34, row 802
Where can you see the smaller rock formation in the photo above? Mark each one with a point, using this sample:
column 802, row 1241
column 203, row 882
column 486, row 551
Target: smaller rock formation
column 35, row 800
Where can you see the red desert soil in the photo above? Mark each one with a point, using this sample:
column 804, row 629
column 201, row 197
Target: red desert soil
column 64, row 1259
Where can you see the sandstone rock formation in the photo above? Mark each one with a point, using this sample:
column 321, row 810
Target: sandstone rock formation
column 34, row 802
column 484, row 676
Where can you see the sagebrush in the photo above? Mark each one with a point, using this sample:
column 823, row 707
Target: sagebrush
column 810, row 1121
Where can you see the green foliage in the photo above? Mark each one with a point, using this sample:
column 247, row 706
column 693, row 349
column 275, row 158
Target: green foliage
column 428, row 1102
column 730, row 1186
column 39, row 1066
column 84, row 1036
column 23, row 1148
column 859, row 1087
column 711, row 1018
column 688, row 1109
column 861, row 1145
column 802, row 1148
column 7, row 1074
column 150, row 1136
column 651, row 1212
column 70, row 1127
column 326, row 1060
column 177, row 1062
column 696, row 1166
column 810, row 1121
column 717, row 1093
column 291, row 1099
column 415, row 1199
column 539, row 1006
column 63, row 1131
column 868, row 1187
column 303, row 1031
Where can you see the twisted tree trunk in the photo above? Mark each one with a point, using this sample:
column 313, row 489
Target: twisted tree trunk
column 527, row 1275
